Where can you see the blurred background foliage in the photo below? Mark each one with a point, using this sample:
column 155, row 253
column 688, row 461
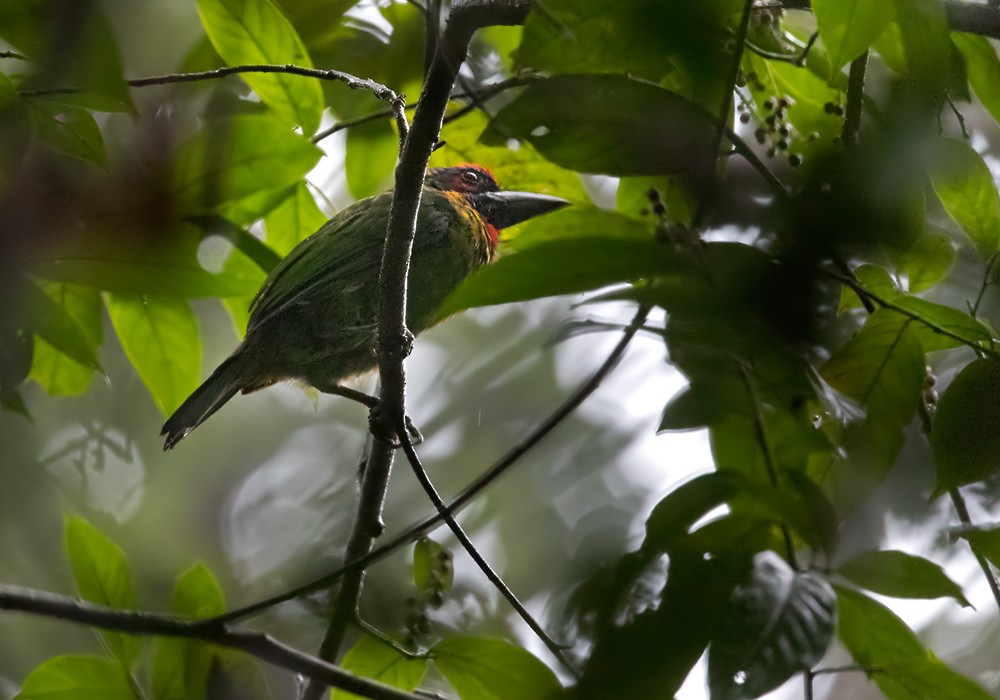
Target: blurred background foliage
column 818, row 271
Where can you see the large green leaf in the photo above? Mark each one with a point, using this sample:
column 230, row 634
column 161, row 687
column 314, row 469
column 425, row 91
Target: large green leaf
column 848, row 27
column 964, row 184
column 892, row 655
column 162, row 277
column 941, row 327
column 488, row 668
column 294, row 220
column 234, row 158
column 780, row 622
column 67, row 129
column 930, row 57
column 927, row 261
column 607, row 124
column 982, row 67
column 576, row 222
column 102, row 575
column 370, row 158
column 256, row 32
column 160, row 337
column 900, row 575
column 57, row 373
column 77, row 678
column 881, row 367
column 965, row 434
column 54, row 323
column 373, row 658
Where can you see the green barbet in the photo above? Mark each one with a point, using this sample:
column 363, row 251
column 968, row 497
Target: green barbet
column 315, row 317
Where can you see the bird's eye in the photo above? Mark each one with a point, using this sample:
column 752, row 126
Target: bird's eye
column 471, row 177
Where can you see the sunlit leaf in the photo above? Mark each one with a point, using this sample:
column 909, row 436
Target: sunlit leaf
column 930, row 57
column 235, row 158
column 927, row 261
column 370, row 158
column 70, row 130
column 576, row 222
column 965, row 435
column 848, row 27
column 941, row 327
column 373, row 658
column 779, row 623
column 982, row 67
column 964, row 184
column 160, row 338
column 607, row 124
column 632, row 198
column 54, row 323
column 103, row 576
column 900, row 575
column 294, row 220
column 875, row 279
column 487, row 668
column 892, row 655
column 248, row 32
column 77, row 678
column 432, row 567
column 58, row 374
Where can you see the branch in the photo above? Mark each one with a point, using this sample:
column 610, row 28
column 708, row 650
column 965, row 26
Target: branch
column 855, row 100
column 257, row 644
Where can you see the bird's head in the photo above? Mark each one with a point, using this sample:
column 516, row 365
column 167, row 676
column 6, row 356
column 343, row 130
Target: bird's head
column 498, row 208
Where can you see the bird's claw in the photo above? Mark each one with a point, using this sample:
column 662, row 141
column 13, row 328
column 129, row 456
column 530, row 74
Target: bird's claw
column 383, row 430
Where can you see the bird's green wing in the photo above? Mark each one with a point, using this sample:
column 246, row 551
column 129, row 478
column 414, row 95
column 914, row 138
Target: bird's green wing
column 345, row 251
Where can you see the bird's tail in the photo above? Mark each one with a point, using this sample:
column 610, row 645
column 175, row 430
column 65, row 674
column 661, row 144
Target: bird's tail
column 226, row 380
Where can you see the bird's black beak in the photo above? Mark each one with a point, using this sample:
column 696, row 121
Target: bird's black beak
column 505, row 209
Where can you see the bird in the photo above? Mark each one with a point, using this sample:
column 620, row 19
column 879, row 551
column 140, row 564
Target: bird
column 314, row 319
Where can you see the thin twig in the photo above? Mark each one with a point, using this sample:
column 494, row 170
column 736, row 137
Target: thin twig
column 484, row 566
column 262, row 646
column 466, row 495
column 963, row 516
column 13, row 54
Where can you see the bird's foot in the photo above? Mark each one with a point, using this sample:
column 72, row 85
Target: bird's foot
column 382, row 428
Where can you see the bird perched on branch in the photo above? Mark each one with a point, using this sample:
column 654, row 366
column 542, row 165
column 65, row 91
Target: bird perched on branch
column 315, row 317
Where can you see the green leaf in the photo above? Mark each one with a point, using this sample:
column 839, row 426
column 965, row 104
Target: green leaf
column 520, row 169
column 941, row 327
column 965, row 434
column 488, row 668
column 875, row 279
column 983, row 69
column 901, row 666
column 632, row 198
column 370, row 158
column 577, row 222
column 882, row 368
column 542, row 271
column 985, row 540
column 964, row 184
column 373, row 658
column 294, row 220
column 607, row 124
column 432, row 568
column 698, row 405
column 848, row 27
column 53, row 323
column 159, row 277
column 53, row 370
column 929, row 53
column 235, row 158
column 69, row 130
column 901, row 575
column 927, row 261
column 77, row 678
column 160, row 338
column 256, row 32
column 181, row 667
column 102, row 575
column 779, row 623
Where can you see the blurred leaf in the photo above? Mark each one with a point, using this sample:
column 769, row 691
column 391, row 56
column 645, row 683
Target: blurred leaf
column 927, row 261
column 935, row 318
column 875, row 279
column 982, row 67
column 53, row 323
column 102, row 575
column 985, row 540
column 255, row 207
column 371, row 158
column 848, row 27
column 373, row 658
column 250, row 32
column 881, row 367
column 57, row 373
column 15, row 130
column 965, row 434
column 521, row 169
column 542, row 271
column 892, row 655
column 779, row 623
column 160, row 338
column 964, row 184
column 181, row 667
column 160, row 277
column 432, row 567
column 242, row 240
column 69, row 130
column 77, row 678
column 929, row 54
column 607, row 124
column 315, row 21
column 294, row 220
column 632, row 198
column 238, row 157
column 697, row 406
column 901, row 575
column 487, row 668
